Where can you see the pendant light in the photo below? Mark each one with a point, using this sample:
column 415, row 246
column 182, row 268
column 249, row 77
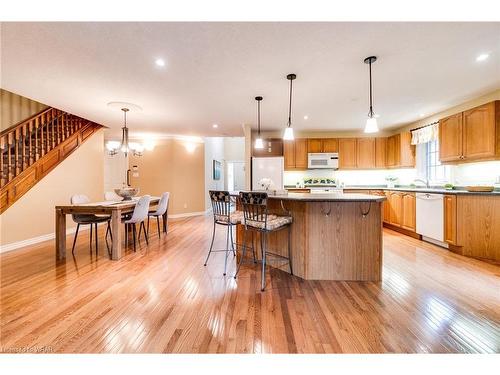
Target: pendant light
column 124, row 146
column 258, row 142
column 371, row 121
column 288, row 136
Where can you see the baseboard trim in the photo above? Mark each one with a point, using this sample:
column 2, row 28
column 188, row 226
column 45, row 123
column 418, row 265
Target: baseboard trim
column 189, row 214
column 35, row 240
column 51, row 236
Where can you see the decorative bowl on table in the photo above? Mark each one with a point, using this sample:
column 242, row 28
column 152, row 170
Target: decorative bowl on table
column 127, row 193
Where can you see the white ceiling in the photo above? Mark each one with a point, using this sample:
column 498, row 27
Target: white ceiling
column 214, row 70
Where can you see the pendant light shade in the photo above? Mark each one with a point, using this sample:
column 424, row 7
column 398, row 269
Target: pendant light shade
column 371, row 123
column 258, row 141
column 288, row 135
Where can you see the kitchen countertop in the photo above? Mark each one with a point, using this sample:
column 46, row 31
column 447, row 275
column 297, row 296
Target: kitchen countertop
column 329, row 197
column 421, row 190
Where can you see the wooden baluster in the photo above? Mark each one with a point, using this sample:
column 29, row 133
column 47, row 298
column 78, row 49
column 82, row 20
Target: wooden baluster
column 42, row 142
column 16, row 152
column 22, row 139
column 47, row 134
column 9, row 160
column 58, row 127
column 2, row 166
column 37, row 147
column 30, row 144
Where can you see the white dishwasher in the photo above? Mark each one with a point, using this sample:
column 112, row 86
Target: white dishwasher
column 430, row 217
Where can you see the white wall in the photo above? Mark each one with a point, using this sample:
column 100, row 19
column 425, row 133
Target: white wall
column 214, row 150
column 234, row 148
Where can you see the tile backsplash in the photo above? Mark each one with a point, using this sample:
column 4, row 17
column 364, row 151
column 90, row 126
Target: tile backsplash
column 355, row 177
column 483, row 173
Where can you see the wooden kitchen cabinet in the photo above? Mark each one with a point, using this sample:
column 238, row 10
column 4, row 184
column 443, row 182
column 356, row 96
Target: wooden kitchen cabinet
column 322, row 145
column 365, row 153
column 400, row 151
column 295, row 154
column 314, row 145
column 450, row 138
column 348, row 153
column 471, row 135
column 387, row 207
column 380, row 152
column 396, row 208
column 479, row 133
column 330, row 145
column 450, row 219
column 272, row 147
column 301, row 153
column 408, row 214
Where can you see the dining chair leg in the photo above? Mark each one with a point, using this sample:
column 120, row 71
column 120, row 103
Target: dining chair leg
column 134, row 230
column 227, row 248
column 74, row 240
column 263, row 249
column 242, row 253
column 158, row 225
column 145, row 233
column 91, row 237
column 96, row 243
column 211, row 245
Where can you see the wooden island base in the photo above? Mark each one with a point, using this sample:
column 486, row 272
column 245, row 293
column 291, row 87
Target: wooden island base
column 330, row 240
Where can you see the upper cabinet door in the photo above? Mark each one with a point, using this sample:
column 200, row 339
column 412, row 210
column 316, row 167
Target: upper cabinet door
column 479, row 132
column 380, row 152
column 330, row 145
column 450, row 138
column 300, row 153
column 347, row 153
column 314, row 145
column 366, row 153
column 289, row 154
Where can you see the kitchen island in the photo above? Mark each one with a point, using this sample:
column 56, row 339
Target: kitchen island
column 333, row 236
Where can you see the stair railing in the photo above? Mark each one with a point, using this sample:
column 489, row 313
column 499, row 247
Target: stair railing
column 26, row 142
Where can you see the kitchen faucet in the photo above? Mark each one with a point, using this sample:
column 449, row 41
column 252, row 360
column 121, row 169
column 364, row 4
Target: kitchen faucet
column 426, row 182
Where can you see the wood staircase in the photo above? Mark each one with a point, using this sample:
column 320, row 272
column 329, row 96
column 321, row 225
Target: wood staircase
column 35, row 146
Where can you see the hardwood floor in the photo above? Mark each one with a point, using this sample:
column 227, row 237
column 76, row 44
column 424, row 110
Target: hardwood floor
column 162, row 299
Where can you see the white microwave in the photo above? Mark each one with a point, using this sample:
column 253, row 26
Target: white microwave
column 323, row 160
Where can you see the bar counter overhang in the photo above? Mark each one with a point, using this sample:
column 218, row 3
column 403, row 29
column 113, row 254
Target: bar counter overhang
column 333, row 236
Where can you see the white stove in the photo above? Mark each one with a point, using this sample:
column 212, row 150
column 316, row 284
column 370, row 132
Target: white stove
column 325, row 190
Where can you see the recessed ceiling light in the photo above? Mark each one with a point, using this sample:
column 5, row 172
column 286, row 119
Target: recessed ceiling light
column 482, row 57
column 306, row 117
column 160, row 62
column 215, row 126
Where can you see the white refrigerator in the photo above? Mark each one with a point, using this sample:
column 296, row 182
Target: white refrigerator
column 269, row 167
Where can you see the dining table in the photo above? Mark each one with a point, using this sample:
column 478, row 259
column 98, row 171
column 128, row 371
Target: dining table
column 114, row 209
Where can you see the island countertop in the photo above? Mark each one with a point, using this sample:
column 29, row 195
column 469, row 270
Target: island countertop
column 328, row 197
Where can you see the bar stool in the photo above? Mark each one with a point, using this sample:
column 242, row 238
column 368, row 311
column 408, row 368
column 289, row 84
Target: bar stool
column 221, row 207
column 256, row 218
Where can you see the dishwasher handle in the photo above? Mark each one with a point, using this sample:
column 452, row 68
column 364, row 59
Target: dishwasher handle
column 429, row 196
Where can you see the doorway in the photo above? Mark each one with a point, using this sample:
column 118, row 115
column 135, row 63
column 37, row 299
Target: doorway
column 235, row 175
